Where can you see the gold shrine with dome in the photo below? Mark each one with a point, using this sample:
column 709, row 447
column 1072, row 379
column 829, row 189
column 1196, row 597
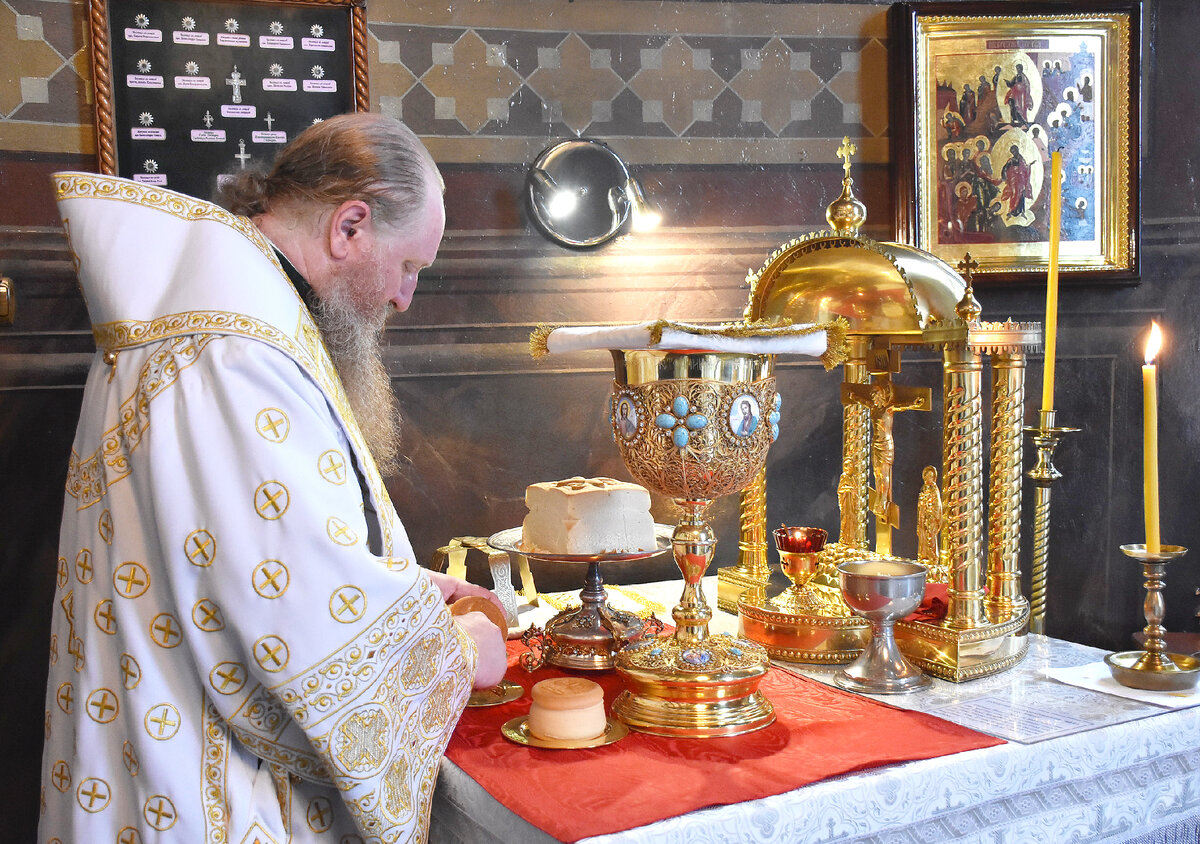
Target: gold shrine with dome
column 895, row 297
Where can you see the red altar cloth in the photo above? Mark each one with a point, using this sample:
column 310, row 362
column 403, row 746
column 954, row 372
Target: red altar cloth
column 819, row 732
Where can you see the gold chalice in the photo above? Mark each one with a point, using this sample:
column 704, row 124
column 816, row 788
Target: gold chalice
column 693, row 425
column 799, row 549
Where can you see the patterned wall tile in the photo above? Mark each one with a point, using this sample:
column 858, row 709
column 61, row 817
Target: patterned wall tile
column 670, row 82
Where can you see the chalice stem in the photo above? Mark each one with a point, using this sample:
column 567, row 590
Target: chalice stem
column 694, row 545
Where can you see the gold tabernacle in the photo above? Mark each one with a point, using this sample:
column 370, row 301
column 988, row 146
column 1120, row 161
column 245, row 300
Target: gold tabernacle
column 895, row 297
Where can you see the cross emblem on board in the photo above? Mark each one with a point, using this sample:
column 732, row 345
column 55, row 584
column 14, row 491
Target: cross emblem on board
column 236, row 82
column 270, row 121
column 242, row 156
column 208, row 120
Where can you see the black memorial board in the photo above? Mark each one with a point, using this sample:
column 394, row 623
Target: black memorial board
column 189, row 89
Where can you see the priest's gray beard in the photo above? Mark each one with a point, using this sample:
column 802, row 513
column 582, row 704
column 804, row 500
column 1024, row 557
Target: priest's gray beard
column 353, row 334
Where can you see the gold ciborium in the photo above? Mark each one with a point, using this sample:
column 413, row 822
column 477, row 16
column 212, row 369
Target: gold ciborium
column 693, row 425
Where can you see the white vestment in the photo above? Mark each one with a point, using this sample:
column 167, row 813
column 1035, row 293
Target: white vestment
column 230, row 660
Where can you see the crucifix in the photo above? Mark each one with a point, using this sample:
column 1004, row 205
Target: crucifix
column 241, row 154
column 208, row 119
column 844, row 152
column 269, row 120
column 884, row 400
column 236, row 81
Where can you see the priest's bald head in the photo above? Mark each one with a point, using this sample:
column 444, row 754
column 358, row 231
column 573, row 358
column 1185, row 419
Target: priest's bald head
column 355, row 204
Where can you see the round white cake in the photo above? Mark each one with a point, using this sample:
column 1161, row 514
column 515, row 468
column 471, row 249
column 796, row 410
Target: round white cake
column 566, row 709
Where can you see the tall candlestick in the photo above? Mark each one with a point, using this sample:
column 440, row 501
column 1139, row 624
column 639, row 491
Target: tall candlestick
column 1150, row 439
column 1052, row 280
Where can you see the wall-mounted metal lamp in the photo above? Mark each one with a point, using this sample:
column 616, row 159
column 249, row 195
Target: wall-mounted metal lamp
column 581, row 194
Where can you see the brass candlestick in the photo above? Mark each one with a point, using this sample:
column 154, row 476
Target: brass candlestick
column 1152, row 667
column 1046, row 437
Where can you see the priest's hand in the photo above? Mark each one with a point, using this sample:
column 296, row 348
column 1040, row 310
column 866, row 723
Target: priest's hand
column 489, row 641
column 453, row 588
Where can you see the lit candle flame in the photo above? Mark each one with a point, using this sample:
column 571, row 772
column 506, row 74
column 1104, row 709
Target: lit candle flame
column 1153, row 343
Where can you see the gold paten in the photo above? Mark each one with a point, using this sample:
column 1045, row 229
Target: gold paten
column 693, row 442
column 896, row 297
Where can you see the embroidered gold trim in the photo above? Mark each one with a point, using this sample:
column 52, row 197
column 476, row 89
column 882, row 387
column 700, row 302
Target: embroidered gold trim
column 214, row 763
column 94, row 186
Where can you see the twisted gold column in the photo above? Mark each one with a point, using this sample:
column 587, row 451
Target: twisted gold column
column 962, row 470
column 856, row 451
column 1004, row 489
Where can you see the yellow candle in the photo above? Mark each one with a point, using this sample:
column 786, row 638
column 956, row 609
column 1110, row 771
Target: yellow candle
column 1052, row 280
column 1150, row 439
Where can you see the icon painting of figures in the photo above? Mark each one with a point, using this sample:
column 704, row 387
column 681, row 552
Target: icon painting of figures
column 1001, row 109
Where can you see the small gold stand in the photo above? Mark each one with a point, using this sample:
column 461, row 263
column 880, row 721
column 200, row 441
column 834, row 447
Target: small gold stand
column 1045, row 439
column 1152, row 667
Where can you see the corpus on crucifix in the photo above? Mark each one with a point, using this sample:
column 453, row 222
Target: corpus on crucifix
column 236, row 81
column 884, row 400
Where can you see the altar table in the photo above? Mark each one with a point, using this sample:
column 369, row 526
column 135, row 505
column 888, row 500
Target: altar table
column 1078, row 766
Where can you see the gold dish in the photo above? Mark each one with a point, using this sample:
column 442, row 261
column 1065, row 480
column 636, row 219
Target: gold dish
column 496, row 695
column 1163, row 672
column 518, row 730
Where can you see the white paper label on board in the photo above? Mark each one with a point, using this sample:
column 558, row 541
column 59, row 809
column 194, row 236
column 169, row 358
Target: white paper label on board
column 324, row 45
column 198, row 38
column 229, row 39
column 142, row 133
column 275, row 42
column 279, row 84
column 239, row 111
column 150, row 178
column 269, row 137
column 143, row 80
column 132, row 34
column 195, row 83
column 208, row 135
column 320, row 84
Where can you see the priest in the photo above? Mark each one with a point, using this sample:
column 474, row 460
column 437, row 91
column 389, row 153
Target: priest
column 243, row 646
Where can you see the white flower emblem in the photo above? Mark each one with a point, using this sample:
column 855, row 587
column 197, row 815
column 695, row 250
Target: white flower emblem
column 146, row 118
column 275, row 70
column 141, row 21
column 276, row 28
column 191, row 68
column 143, row 65
column 150, row 165
column 188, row 23
column 231, row 25
column 317, row 30
column 317, row 120
column 317, row 72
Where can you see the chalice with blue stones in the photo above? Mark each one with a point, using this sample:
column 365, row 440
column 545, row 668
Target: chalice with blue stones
column 693, row 425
